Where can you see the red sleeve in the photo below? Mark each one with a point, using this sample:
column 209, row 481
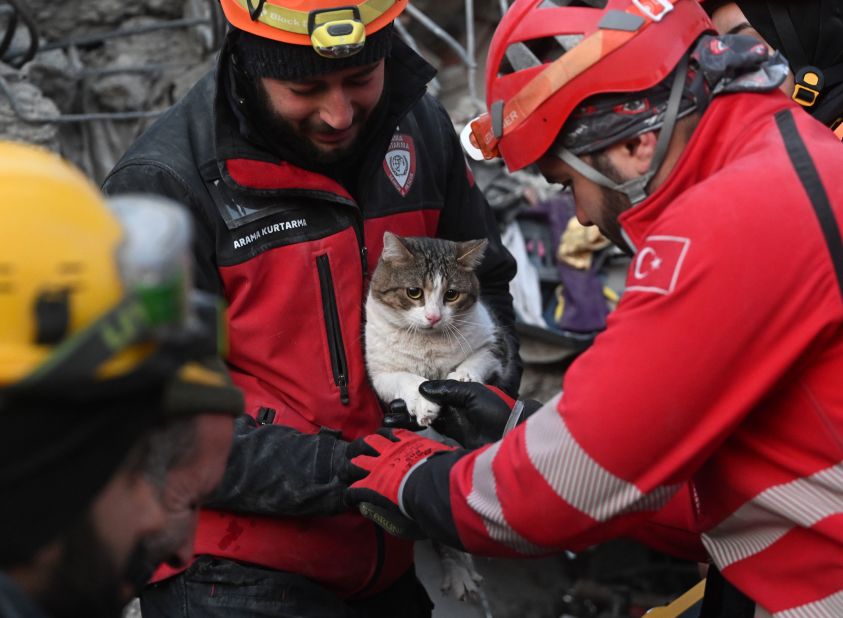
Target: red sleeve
column 700, row 338
column 671, row 530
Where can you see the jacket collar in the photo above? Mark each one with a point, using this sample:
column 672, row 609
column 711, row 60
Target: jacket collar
column 734, row 126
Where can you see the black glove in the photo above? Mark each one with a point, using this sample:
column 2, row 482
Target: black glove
column 399, row 417
column 471, row 414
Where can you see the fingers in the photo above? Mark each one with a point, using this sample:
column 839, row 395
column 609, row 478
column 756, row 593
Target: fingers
column 360, row 447
column 401, row 421
column 449, row 392
column 399, row 417
column 398, row 407
column 351, row 474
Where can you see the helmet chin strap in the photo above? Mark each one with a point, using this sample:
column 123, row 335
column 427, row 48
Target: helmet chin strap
column 636, row 189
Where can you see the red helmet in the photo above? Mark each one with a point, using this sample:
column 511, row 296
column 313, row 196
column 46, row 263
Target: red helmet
column 547, row 57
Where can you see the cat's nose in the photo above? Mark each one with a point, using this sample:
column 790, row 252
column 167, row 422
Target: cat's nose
column 432, row 318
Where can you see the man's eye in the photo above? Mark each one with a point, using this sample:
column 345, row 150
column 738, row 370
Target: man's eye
column 414, row 293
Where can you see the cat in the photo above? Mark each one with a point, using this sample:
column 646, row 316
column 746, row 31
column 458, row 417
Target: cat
column 425, row 321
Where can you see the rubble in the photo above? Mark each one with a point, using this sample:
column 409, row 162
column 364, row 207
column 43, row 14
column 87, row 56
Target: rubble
column 21, row 97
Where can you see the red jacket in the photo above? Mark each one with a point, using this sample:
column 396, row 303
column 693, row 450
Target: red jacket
column 291, row 249
column 719, row 374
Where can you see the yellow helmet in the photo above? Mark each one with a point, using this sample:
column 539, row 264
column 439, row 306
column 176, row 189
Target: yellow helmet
column 89, row 289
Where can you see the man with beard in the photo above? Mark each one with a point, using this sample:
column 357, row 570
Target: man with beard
column 707, row 419
column 313, row 137
column 105, row 353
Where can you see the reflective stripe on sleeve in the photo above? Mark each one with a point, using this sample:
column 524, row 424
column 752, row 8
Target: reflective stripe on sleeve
column 577, row 478
column 571, row 473
column 773, row 513
column 484, row 499
column 829, row 607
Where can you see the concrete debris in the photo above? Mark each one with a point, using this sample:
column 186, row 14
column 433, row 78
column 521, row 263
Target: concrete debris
column 59, row 20
column 32, row 103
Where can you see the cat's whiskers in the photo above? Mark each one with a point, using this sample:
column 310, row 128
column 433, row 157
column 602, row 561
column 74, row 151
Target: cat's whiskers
column 454, row 329
column 465, row 321
column 412, row 331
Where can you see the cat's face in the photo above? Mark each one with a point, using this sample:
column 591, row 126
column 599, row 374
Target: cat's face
column 427, row 283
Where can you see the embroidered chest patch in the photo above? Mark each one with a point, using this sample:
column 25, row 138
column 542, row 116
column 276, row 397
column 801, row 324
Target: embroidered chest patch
column 400, row 163
column 657, row 266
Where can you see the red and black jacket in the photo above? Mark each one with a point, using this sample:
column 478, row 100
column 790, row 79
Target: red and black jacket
column 291, row 250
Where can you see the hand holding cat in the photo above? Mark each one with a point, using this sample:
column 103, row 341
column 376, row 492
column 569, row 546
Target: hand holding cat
column 473, row 414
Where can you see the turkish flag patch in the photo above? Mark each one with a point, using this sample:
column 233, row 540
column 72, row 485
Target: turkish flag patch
column 400, row 162
column 657, row 266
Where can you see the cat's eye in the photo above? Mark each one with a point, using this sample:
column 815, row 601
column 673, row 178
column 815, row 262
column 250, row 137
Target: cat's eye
column 451, row 296
column 414, row 293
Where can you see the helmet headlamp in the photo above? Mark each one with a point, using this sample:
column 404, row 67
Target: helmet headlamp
column 336, row 33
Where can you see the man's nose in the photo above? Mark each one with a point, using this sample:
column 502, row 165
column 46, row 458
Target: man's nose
column 337, row 110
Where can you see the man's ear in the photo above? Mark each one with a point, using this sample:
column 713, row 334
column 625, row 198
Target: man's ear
column 642, row 150
column 632, row 157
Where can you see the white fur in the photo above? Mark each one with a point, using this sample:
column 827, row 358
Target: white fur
column 403, row 350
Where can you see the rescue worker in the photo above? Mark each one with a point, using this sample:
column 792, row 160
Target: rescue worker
column 311, row 138
column 809, row 34
column 102, row 350
column 716, row 382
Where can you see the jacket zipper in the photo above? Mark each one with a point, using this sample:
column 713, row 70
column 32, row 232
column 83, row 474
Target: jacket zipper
column 339, row 364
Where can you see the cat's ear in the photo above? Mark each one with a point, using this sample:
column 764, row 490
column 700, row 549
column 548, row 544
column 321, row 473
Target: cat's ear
column 470, row 253
column 394, row 249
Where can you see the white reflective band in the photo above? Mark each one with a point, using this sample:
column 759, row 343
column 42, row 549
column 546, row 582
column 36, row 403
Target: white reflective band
column 773, row 513
column 829, row 607
column 577, row 478
column 484, row 500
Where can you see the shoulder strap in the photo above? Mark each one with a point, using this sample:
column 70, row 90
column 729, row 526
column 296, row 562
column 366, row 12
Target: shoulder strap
column 801, row 160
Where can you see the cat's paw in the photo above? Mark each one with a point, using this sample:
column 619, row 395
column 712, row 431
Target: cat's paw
column 459, row 577
column 460, row 374
column 423, row 409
